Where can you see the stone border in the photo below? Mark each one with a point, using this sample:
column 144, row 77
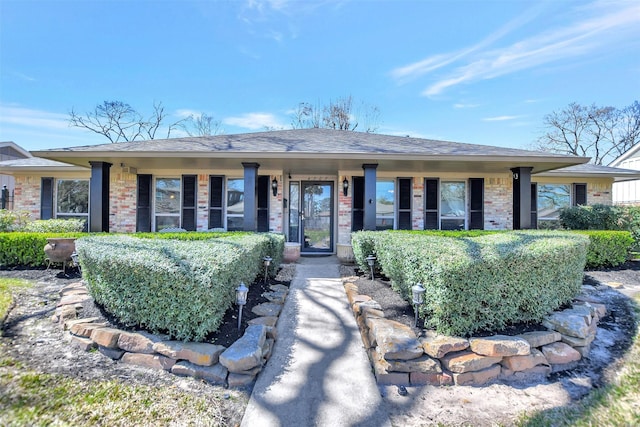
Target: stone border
column 236, row 366
column 399, row 357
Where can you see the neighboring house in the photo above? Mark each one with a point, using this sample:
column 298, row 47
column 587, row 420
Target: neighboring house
column 314, row 185
column 627, row 192
column 9, row 150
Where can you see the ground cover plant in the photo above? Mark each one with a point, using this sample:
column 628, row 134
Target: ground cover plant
column 484, row 282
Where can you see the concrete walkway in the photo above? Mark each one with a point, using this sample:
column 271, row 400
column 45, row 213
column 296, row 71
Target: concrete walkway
column 319, row 373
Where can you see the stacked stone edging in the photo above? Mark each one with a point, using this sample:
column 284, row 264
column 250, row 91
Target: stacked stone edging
column 235, row 366
column 399, row 357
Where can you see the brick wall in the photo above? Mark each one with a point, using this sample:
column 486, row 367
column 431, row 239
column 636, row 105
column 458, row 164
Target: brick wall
column 202, row 216
column 498, row 203
column 27, row 195
column 122, row 201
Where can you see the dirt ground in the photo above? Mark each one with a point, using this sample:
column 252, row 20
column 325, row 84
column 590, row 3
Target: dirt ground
column 30, row 337
column 503, row 403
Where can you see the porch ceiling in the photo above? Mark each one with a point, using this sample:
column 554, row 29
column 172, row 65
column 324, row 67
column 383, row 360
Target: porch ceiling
column 300, row 163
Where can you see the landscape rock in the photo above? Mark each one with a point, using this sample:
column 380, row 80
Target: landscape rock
column 267, row 309
column 138, row 342
column 264, row 320
column 216, row 374
column 538, row 372
column 85, row 329
column 69, row 323
column 500, row 346
column 245, row 353
column 239, row 380
column 203, row 354
column 83, row 343
column 112, row 353
column 571, row 324
column 560, row 353
column 468, row 361
column 106, row 337
column 153, row 361
column 396, row 341
column 523, row 363
column 423, row 364
column 73, row 299
column 540, row 338
column 436, row 345
column 477, row 378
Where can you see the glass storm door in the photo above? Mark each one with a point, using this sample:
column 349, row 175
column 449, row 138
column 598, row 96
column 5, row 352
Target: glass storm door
column 316, row 219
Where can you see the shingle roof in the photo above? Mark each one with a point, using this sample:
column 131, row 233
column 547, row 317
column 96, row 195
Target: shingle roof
column 591, row 170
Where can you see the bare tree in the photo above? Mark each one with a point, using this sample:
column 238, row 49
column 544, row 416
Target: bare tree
column 119, row 122
column 602, row 133
column 339, row 114
column 201, row 125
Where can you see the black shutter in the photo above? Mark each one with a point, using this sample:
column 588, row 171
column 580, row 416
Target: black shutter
column 46, row 198
column 143, row 204
column 357, row 203
column 216, row 198
column 404, row 203
column 431, row 190
column 534, row 205
column 476, row 212
column 264, row 187
column 579, row 194
column 189, row 202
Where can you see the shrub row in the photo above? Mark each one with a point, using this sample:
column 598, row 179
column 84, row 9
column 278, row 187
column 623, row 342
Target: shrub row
column 480, row 283
column 177, row 286
column 21, row 221
column 21, row 249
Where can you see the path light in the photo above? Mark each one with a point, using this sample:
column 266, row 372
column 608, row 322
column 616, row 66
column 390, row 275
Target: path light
column 267, row 262
column 371, row 260
column 418, row 292
column 76, row 261
column 241, row 300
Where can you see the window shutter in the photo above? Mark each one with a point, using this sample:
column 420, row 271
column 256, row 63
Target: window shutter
column 357, row 202
column 216, row 198
column 579, row 194
column 404, row 203
column 431, row 190
column 264, row 186
column 534, row 205
column 476, row 213
column 189, row 202
column 143, row 204
column 46, row 198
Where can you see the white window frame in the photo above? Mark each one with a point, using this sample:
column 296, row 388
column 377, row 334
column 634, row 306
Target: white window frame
column 465, row 216
column 393, row 199
column 58, row 214
column 227, row 215
column 155, row 207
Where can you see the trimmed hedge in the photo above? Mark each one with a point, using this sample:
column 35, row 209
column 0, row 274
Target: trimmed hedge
column 480, row 283
column 607, row 248
column 19, row 249
column 177, row 286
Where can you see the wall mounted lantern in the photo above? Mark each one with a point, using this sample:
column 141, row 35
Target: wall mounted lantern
column 345, row 186
column 274, row 186
column 241, row 300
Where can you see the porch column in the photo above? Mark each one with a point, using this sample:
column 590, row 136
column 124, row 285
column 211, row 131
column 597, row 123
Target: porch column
column 521, row 198
column 99, row 197
column 369, row 196
column 250, row 196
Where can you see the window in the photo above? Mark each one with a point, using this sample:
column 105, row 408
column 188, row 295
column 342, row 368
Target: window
column 552, row 198
column 72, row 199
column 385, row 201
column 453, row 205
column 235, row 204
column 167, row 206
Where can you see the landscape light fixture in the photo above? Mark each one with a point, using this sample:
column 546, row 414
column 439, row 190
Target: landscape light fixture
column 241, row 300
column 75, row 258
column 417, row 292
column 371, row 260
column 274, row 186
column 267, row 262
column 345, row 186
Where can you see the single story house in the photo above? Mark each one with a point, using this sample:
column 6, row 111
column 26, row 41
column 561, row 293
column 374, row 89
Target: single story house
column 314, row 185
column 627, row 192
column 9, row 150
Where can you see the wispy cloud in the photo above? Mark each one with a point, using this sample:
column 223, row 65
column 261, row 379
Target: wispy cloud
column 255, row 121
column 500, row 118
column 21, row 116
column 462, row 105
column 606, row 27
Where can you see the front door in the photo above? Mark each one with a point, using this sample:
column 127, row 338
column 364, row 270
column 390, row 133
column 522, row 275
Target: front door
column 316, row 217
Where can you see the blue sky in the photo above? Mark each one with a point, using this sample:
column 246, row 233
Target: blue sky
column 482, row 72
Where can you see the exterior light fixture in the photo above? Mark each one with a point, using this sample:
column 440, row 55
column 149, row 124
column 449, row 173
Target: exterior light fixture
column 345, row 186
column 267, row 262
column 241, row 300
column 371, row 260
column 75, row 258
column 417, row 292
column 274, row 186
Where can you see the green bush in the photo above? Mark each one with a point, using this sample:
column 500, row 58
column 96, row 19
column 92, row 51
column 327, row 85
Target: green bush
column 20, row 249
column 607, row 248
column 71, row 225
column 12, row 220
column 483, row 282
column 179, row 286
